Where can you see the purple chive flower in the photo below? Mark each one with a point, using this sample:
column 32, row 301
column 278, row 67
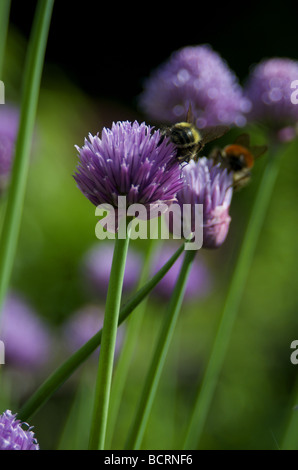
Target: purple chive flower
column 26, row 338
column 210, row 185
column 9, row 121
column 269, row 89
column 83, row 324
column 198, row 283
column 128, row 160
column 199, row 76
column 13, row 436
column 96, row 268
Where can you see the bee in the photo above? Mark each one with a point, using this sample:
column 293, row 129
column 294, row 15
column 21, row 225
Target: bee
column 189, row 140
column 239, row 158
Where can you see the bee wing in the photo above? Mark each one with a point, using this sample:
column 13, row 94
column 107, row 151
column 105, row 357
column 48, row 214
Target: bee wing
column 241, row 180
column 255, row 150
column 258, row 150
column 208, row 134
column 243, row 140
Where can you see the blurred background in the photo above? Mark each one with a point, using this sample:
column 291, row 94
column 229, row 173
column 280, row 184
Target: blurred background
column 97, row 58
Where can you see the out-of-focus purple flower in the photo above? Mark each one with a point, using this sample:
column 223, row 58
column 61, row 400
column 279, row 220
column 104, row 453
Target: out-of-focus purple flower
column 128, row 160
column 269, row 89
column 210, row 185
column 26, row 338
column 9, row 122
column 83, row 324
column 13, row 436
column 198, row 76
column 286, row 134
column 96, row 268
column 199, row 280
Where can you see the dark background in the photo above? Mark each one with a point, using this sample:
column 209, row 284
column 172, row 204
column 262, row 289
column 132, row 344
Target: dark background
column 108, row 48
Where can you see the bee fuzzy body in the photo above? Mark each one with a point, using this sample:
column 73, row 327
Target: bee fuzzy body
column 189, row 140
column 238, row 158
column 184, row 135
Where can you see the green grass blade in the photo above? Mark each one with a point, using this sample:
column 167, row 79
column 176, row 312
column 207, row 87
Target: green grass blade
column 107, row 349
column 290, row 441
column 128, row 348
column 4, row 20
column 16, row 194
column 221, row 342
column 151, row 383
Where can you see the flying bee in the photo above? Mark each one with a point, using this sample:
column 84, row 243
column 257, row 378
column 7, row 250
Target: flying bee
column 189, row 140
column 239, row 158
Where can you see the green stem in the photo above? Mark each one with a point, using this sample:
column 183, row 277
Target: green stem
column 107, row 349
column 2, row 210
column 16, row 194
column 139, row 425
column 62, row 373
column 124, row 360
column 74, row 435
column 4, row 20
column 221, row 342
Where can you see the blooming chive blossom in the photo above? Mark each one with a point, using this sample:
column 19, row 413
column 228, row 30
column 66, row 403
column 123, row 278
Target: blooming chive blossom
column 210, row 185
column 199, row 76
column 198, row 283
column 13, row 436
column 269, row 90
column 96, row 268
column 128, row 160
column 26, row 338
column 9, row 119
